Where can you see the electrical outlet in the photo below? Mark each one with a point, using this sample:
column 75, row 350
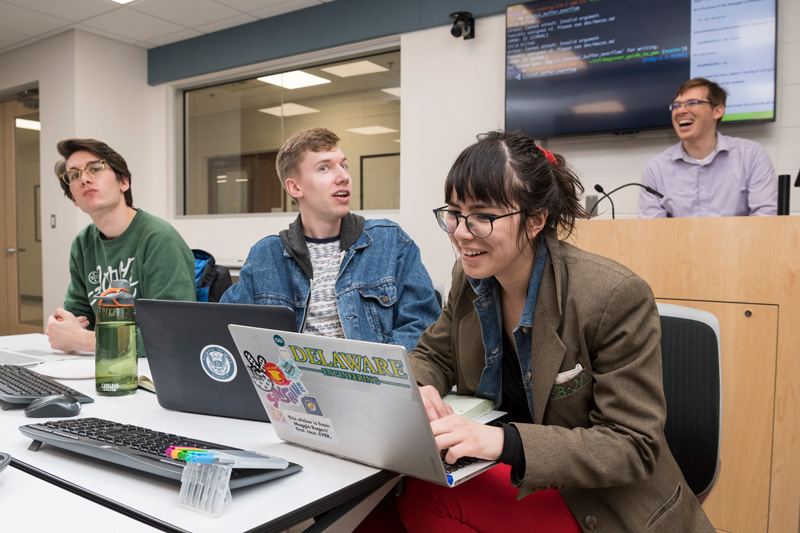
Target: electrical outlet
column 591, row 203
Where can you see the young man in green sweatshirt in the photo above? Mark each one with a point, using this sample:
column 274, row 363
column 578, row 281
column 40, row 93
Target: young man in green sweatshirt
column 122, row 243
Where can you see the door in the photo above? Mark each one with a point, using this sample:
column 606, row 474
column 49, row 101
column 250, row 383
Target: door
column 20, row 224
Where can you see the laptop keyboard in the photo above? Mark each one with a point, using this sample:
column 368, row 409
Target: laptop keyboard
column 136, row 447
column 458, row 465
column 21, row 385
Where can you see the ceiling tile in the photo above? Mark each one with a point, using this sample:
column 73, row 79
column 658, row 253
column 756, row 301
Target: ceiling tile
column 189, row 13
column 22, row 20
column 250, row 5
column 133, row 24
column 283, row 7
column 238, row 20
column 74, row 10
column 108, row 34
column 8, row 37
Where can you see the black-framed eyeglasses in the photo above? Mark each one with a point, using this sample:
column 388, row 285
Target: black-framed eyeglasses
column 689, row 104
column 478, row 224
column 92, row 168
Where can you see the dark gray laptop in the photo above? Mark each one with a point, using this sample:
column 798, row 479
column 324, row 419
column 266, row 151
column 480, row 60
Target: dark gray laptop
column 193, row 360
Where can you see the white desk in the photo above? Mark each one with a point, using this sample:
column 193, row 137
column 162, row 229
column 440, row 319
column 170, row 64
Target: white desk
column 30, row 504
column 324, row 483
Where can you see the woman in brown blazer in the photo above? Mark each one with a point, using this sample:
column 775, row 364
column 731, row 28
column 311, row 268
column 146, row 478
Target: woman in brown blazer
column 566, row 341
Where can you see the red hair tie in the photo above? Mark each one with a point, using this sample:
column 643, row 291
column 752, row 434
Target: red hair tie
column 548, row 155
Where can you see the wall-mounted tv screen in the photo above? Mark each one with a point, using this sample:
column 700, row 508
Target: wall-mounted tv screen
column 575, row 67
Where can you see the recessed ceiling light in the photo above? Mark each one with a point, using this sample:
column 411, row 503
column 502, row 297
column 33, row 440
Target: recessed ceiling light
column 123, row 2
column 356, row 68
column 372, row 130
column 295, row 79
column 289, row 110
column 394, row 91
column 26, row 124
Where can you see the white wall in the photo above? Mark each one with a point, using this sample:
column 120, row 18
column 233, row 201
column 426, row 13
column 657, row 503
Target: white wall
column 89, row 86
column 456, row 92
column 452, row 90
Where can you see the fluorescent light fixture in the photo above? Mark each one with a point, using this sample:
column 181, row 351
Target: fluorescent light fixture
column 289, row 110
column 123, row 2
column 26, row 124
column 394, row 91
column 240, row 180
column 372, row 130
column 295, row 79
column 357, row 68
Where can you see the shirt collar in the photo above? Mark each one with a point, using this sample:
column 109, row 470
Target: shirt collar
column 485, row 286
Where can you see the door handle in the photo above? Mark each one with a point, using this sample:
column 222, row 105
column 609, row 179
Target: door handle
column 10, row 250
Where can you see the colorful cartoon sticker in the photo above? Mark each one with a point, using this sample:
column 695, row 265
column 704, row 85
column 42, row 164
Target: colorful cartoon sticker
column 275, row 374
column 290, row 370
column 276, row 416
column 311, row 406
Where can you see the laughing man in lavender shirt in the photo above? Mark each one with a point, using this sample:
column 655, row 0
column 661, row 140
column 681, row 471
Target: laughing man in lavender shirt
column 707, row 174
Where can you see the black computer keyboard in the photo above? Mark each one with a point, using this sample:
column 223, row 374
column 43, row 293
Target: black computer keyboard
column 136, row 447
column 21, row 385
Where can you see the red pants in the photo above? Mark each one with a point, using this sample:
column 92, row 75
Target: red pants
column 486, row 503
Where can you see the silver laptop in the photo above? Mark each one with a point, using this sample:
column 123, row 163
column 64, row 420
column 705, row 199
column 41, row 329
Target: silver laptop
column 193, row 359
column 352, row 399
column 29, row 356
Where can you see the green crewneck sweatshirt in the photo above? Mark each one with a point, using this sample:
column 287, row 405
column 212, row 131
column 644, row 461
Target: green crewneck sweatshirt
column 150, row 254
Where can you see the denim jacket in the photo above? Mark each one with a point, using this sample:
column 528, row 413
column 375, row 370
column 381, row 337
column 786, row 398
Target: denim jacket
column 490, row 318
column 383, row 292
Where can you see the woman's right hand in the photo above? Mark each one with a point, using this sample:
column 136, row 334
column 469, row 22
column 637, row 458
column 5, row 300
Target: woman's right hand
column 434, row 405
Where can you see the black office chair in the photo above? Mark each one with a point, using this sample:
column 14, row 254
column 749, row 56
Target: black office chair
column 690, row 354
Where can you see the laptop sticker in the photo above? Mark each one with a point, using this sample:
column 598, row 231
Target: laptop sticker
column 367, row 369
column 218, row 363
column 311, row 406
column 315, row 427
column 256, row 366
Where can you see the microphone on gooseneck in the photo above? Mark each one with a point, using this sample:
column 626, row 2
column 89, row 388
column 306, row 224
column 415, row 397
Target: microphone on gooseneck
column 599, row 188
column 602, row 191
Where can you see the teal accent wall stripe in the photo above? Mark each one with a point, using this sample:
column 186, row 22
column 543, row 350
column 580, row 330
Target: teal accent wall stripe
column 315, row 28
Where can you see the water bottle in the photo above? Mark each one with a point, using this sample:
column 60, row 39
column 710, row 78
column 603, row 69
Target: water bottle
column 116, row 366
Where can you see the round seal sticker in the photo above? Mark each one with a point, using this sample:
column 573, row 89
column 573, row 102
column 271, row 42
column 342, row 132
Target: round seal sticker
column 218, row 363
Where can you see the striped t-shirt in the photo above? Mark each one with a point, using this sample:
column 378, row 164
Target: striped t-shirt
column 322, row 317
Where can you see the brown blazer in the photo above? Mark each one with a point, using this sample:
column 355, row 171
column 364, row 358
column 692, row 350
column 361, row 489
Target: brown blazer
column 599, row 438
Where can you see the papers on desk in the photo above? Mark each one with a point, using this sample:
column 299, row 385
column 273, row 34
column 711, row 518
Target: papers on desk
column 67, row 369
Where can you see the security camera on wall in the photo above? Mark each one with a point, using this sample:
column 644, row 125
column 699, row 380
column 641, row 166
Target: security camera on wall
column 463, row 25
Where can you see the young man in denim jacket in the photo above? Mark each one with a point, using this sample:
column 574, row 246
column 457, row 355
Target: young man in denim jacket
column 344, row 276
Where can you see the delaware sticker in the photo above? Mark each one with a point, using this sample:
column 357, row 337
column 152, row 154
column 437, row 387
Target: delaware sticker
column 218, row 363
column 314, row 427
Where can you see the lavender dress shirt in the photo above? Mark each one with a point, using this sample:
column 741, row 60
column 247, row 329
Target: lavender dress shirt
column 738, row 180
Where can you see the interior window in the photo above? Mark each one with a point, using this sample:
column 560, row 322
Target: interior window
column 233, row 132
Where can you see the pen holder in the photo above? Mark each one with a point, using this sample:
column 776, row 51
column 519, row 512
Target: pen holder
column 204, row 487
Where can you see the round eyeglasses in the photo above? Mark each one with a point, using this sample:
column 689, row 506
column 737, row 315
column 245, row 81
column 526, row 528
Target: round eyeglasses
column 688, row 104
column 93, row 168
column 478, row 224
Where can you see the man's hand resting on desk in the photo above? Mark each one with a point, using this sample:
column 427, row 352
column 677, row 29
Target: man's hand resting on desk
column 457, row 435
column 68, row 332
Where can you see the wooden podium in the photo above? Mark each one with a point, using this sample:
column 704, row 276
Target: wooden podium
column 747, row 272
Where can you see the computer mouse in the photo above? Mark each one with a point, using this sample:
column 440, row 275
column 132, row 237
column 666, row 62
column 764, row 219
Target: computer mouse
column 57, row 405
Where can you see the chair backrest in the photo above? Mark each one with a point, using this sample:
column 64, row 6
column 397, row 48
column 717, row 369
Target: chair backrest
column 211, row 279
column 690, row 354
